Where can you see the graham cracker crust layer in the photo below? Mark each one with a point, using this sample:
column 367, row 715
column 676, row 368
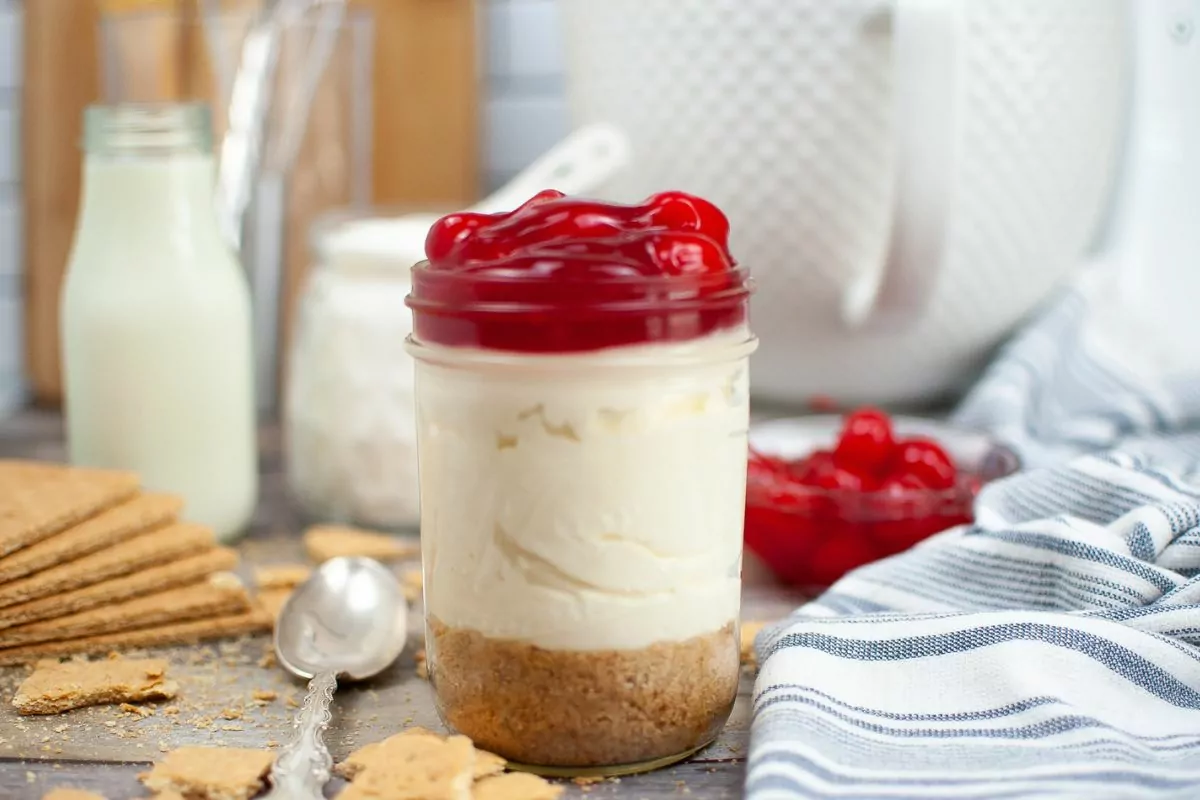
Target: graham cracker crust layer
column 586, row 709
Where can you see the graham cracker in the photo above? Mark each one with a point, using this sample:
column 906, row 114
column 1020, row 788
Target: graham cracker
column 380, row 753
column 165, row 576
column 211, row 773
column 219, row 594
column 516, row 786
column 272, row 601
column 324, row 542
column 71, row 794
column 144, row 550
column 281, row 576
column 38, row 499
column 419, row 766
column 106, row 528
column 114, row 524
column 253, row 621
column 55, row 687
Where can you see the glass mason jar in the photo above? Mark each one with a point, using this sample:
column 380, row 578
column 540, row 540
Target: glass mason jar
column 349, row 416
column 582, row 517
column 155, row 317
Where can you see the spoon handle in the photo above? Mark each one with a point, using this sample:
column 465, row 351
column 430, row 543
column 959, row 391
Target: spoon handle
column 301, row 770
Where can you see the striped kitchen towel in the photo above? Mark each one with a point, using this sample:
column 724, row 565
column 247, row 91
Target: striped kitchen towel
column 1052, row 648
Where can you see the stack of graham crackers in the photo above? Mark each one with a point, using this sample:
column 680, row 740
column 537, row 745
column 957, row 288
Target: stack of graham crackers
column 89, row 563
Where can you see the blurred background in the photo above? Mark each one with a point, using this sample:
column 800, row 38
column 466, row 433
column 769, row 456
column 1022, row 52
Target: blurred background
column 908, row 181
column 444, row 100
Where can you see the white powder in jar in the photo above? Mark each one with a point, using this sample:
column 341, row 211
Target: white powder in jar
column 350, row 424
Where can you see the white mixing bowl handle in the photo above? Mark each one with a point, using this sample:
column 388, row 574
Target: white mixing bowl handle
column 926, row 40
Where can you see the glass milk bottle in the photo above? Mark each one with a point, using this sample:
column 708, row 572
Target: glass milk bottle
column 155, row 317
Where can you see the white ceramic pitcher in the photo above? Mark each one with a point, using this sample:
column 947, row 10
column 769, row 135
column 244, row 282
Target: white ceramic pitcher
column 906, row 180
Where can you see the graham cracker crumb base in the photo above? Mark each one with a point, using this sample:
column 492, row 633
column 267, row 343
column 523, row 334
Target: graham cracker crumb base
column 560, row 708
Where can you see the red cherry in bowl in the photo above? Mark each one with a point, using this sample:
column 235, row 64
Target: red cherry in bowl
column 924, row 461
column 866, row 443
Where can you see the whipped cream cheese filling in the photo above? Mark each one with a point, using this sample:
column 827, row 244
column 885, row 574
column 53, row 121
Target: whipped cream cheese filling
column 597, row 504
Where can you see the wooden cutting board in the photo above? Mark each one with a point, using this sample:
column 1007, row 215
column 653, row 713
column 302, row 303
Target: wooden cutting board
column 60, row 80
column 425, row 138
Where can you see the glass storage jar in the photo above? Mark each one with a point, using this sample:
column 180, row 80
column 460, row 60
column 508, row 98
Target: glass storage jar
column 349, row 416
column 582, row 513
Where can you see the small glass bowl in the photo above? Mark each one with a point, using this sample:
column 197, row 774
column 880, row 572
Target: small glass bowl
column 811, row 536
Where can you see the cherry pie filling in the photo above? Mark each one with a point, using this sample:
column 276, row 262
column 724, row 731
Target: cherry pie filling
column 562, row 274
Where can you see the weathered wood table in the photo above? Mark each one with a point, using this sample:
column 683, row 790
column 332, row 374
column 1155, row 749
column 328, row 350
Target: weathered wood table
column 103, row 749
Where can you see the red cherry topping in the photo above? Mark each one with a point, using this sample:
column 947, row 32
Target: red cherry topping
column 924, row 461
column 566, row 274
column 866, row 442
column 550, row 220
column 678, row 211
column 541, row 197
column 449, row 231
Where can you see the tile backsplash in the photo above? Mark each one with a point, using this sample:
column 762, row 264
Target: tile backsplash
column 12, row 351
column 526, row 111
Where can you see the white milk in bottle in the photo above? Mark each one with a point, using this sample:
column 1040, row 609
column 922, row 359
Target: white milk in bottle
column 155, row 317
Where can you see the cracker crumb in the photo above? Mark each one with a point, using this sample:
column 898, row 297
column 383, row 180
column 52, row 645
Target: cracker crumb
column 323, row 542
column 281, row 576
column 55, row 686
column 140, row 711
column 264, row 695
column 413, row 583
column 422, row 664
column 273, row 600
column 383, row 753
column 418, row 765
column 231, row 713
column 232, row 728
column 749, row 630
column 291, row 702
column 71, row 794
column 267, row 660
column 189, row 772
column 171, row 711
column 516, row 786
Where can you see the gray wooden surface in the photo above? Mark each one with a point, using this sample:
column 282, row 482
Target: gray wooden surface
column 103, row 748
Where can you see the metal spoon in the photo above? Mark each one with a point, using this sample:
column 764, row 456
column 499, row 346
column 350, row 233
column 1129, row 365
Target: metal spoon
column 349, row 619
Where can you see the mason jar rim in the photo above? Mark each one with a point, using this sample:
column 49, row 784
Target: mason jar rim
column 732, row 344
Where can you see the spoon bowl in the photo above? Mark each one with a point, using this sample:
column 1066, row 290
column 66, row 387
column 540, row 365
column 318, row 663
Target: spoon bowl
column 350, row 618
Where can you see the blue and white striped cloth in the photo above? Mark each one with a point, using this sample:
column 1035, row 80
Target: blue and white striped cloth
column 1052, row 648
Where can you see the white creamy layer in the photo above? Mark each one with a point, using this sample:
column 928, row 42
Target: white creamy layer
column 592, row 507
